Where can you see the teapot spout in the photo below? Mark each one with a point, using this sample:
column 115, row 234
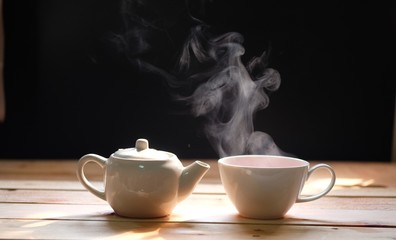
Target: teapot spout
column 190, row 177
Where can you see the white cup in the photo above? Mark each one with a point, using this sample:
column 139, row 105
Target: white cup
column 266, row 187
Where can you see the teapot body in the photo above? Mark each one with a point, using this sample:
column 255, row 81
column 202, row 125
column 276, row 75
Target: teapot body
column 142, row 188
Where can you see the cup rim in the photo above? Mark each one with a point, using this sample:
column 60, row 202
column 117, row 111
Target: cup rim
column 298, row 163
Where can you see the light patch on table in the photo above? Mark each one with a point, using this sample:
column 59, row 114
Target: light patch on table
column 315, row 186
column 38, row 224
column 154, row 235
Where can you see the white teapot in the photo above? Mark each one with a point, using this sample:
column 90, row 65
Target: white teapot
column 141, row 182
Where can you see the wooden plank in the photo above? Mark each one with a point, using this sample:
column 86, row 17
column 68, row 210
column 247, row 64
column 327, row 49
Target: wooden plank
column 84, row 197
column 379, row 174
column 204, row 187
column 218, row 209
column 45, row 170
column 49, row 196
column 17, row 184
column 64, row 167
column 363, row 192
column 65, row 170
column 382, row 172
column 60, row 229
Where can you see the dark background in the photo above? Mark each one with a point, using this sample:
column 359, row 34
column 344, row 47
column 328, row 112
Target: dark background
column 70, row 91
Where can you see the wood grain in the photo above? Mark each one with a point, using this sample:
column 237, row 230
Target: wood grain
column 66, row 170
column 217, row 209
column 45, row 229
column 44, row 200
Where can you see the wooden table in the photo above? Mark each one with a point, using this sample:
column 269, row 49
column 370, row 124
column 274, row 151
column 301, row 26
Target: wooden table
column 44, row 200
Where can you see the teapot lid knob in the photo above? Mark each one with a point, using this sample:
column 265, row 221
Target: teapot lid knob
column 141, row 144
column 141, row 151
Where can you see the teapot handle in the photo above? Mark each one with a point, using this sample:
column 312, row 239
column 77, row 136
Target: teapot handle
column 101, row 161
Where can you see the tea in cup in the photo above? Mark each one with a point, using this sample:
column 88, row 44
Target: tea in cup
column 266, row 187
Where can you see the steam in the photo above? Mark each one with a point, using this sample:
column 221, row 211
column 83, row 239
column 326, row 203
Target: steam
column 225, row 92
column 228, row 94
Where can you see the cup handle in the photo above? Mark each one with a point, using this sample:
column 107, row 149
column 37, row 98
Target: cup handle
column 324, row 192
column 101, row 161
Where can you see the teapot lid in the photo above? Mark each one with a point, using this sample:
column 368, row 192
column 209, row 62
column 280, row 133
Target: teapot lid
column 142, row 151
